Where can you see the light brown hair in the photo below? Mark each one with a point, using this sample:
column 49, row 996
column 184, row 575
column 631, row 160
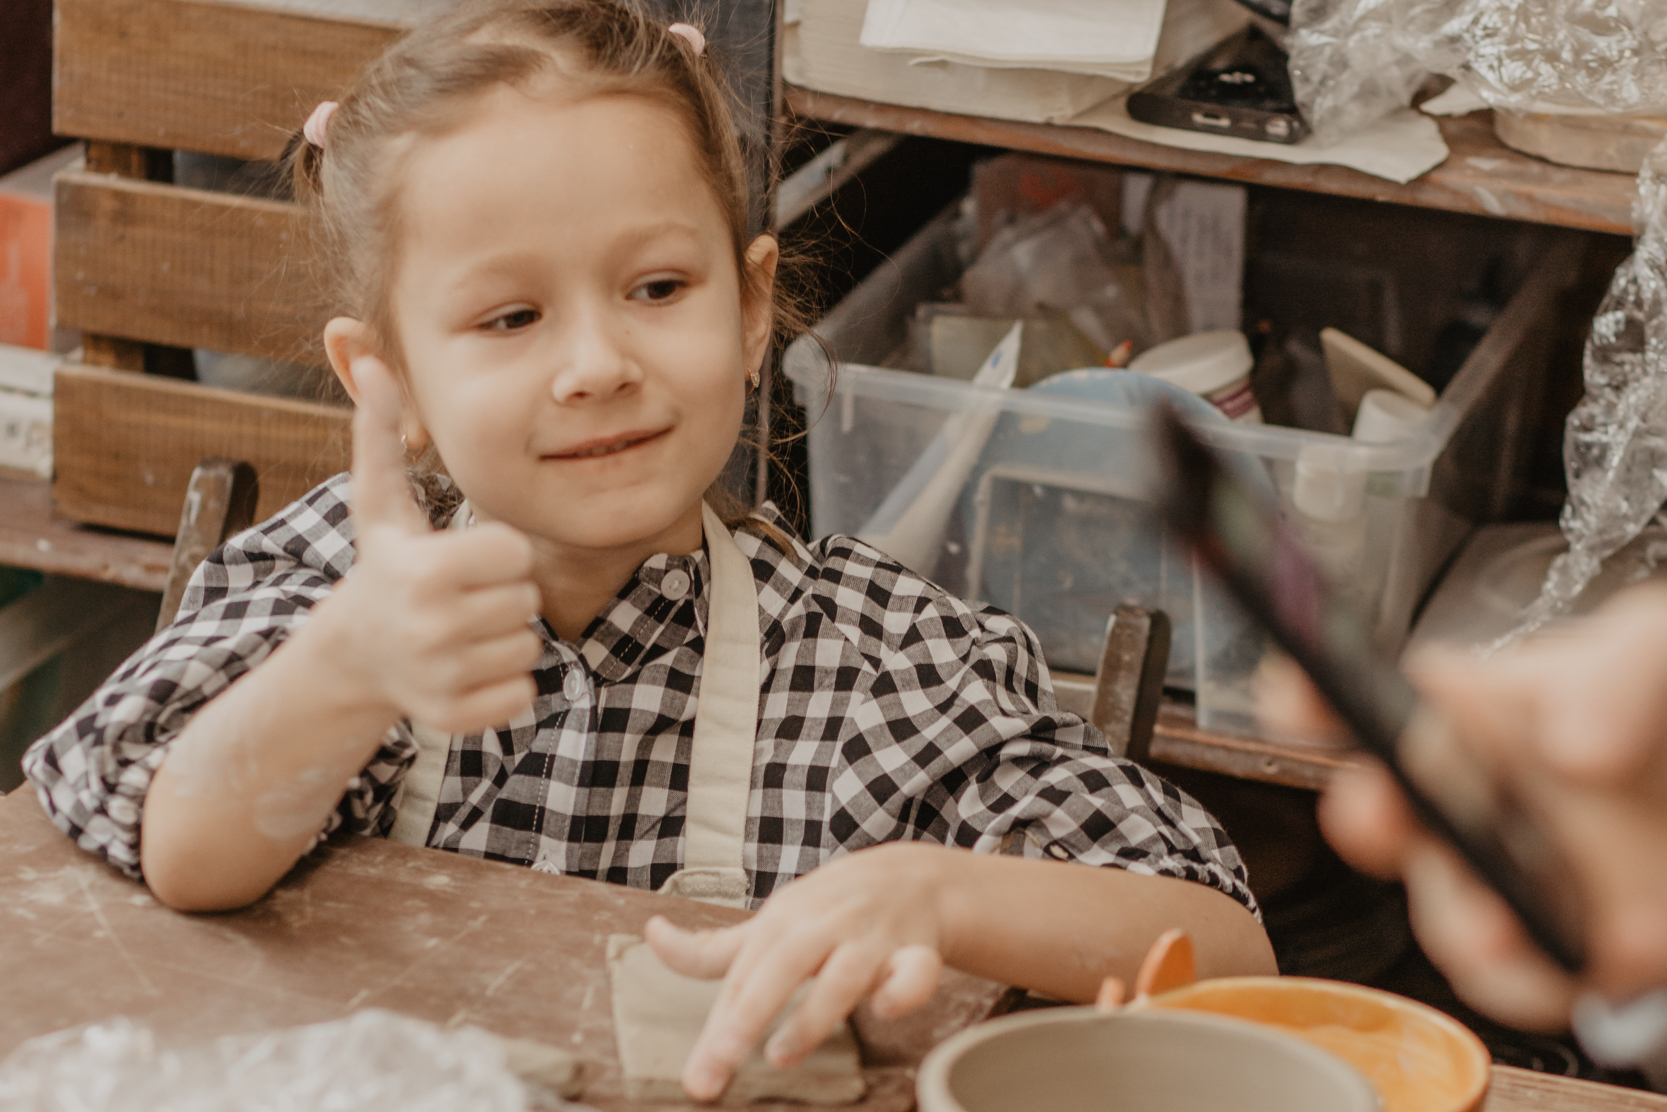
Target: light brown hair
column 425, row 84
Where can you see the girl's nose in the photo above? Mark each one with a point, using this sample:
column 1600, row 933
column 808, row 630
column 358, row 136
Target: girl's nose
column 593, row 363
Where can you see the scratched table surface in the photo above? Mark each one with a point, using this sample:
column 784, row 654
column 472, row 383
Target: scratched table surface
column 450, row 939
column 362, row 923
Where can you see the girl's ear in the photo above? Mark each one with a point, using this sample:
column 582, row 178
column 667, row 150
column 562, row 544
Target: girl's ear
column 347, row 340
column 758, row 288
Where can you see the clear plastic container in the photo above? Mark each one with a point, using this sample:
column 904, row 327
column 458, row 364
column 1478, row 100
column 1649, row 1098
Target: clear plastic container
column 1052, row 521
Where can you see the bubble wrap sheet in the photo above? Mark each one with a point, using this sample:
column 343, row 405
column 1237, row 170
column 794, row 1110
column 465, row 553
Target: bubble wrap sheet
column 1354, row 61
column 1615, row 443
column 374, row 1059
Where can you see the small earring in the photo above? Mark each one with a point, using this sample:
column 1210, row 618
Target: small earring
column 752, row 377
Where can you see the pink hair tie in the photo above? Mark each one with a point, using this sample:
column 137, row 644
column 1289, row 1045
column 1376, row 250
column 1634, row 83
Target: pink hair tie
column 690, row 35
column 314, row 128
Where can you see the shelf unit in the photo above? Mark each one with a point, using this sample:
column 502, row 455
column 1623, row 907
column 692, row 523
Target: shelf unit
column 1480, row 177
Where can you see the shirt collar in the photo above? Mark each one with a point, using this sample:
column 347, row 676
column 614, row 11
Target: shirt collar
column 665, row 603
column 654, row 613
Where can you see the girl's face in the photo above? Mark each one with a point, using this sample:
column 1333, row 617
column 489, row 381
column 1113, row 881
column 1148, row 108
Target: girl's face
column 572, row 320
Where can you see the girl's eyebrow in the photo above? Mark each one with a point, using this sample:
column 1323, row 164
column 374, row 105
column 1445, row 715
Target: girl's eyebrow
column 509, row 264
column 649, row 231
column 520, row 263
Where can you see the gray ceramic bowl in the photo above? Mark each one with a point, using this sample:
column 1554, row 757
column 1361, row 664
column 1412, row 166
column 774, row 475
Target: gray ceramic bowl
column 1084, row 1060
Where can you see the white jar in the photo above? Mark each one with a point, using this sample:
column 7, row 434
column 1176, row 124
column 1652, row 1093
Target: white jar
column 1386, row 417
column 1214, row 365
column 1329, row 495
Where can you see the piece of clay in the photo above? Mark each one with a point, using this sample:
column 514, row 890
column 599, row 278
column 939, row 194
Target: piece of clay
column 542, row 1064
column 658, row 1016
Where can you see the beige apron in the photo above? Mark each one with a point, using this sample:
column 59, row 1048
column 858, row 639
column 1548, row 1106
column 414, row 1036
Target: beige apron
column 721, row 760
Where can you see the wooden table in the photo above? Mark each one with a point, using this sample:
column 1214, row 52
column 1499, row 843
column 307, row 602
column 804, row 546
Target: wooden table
column 362, row 923
column 371, row 923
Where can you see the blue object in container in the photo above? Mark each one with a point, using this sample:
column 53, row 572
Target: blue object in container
column 1061, row 532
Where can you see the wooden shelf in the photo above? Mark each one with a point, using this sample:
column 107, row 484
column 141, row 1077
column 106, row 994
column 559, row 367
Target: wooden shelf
column 1179, row 740
column 1481, row 176
column 32, row 537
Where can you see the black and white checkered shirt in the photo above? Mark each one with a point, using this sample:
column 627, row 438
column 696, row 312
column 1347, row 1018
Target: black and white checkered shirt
column 891, row 711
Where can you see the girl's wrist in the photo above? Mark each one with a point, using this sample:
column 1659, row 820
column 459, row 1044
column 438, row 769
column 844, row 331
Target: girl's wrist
column 946, row 879
column 328, row 646
column 963, row 893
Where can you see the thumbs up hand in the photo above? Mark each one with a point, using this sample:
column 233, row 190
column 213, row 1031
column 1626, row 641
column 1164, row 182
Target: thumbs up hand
column 439, row 628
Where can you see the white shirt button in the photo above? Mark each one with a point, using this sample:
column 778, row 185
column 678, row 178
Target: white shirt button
column 573, row 685
column 675, row 585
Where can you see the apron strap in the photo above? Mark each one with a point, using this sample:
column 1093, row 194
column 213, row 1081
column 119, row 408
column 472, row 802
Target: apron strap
column 721, row 758
column 726, row 728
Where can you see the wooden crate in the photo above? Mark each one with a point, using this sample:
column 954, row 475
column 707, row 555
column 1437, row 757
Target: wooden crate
column 146, row 268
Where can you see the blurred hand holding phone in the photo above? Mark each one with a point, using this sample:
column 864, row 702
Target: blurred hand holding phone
column 1238, row 534
column 1580, row 724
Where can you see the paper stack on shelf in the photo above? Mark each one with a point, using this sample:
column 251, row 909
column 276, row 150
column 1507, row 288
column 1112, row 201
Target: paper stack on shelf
column 1106, row 38
column 824, row 50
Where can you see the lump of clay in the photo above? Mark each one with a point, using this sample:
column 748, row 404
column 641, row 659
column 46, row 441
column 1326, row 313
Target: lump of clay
column 541, row 1064
column 658, row 1015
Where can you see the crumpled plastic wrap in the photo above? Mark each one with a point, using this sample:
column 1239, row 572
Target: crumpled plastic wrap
column 1060, row 261
column 1615, row 441
column 1355, row 61
column 373, row 1059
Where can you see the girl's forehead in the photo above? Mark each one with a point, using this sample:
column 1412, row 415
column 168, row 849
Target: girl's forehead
column 556, row 184
column 565, row 158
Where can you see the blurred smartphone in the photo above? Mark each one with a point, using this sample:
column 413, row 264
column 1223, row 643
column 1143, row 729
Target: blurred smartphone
column 1239, row 87
column 1239, row 535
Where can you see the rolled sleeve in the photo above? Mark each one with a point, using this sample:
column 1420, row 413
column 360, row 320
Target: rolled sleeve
column 93, row 771
column 966, row 709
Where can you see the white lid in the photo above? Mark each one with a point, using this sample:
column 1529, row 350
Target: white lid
column 1386, row 416
column 1203, row 362
column 1330, row 484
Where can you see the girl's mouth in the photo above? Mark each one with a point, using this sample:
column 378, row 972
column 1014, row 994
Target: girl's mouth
column 607, row 446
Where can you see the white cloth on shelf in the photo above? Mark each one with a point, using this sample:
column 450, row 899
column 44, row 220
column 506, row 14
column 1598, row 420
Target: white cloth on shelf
column 822, row 51
column 1107, row 38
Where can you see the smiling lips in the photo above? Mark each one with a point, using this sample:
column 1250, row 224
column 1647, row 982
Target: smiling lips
column 607, row 446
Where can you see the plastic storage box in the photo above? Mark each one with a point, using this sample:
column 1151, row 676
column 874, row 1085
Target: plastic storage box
column 1036, row 501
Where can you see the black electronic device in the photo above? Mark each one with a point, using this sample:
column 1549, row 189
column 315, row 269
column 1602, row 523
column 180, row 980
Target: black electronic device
column 1278, row 11
column 1238, row 533
column 1239, row 87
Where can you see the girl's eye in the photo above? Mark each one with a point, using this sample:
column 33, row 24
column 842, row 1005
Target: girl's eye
column 663, row 289
column 513, row 321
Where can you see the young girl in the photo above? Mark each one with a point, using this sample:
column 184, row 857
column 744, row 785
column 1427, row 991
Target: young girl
column 559, row 655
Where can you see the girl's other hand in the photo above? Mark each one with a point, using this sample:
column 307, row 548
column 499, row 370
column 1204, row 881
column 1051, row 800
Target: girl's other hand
column 868, row 924
column 439, row 622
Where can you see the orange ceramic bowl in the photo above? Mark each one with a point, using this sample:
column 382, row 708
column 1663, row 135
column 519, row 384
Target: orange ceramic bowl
column 1418, row 1059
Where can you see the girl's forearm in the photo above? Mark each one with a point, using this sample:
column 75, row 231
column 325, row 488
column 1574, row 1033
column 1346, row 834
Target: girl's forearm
column 1060, row 928
column 253, row 777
